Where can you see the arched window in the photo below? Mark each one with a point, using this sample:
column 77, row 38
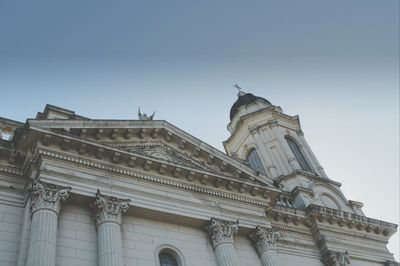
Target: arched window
column 168, row 257
column 298, row 155
column 254, row 160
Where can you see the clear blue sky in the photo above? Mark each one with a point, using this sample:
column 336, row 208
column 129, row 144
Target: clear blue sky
column 335, row 63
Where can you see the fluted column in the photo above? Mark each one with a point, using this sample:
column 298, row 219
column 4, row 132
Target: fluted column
column 45, row 203
column 264, row 240
column 108, row 217
column 221, row 236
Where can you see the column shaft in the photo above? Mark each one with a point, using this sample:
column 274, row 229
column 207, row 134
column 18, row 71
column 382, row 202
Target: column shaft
column 42, row 243
column 110, row 244
column 226, row 255
column 269, row 258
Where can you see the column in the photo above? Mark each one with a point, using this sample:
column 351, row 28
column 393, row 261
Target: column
column 264, row 240
column 45, row 203
column 108, row 215
column 221, row 237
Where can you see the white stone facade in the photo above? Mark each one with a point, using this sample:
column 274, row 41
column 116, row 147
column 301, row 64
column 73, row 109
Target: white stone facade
column 76, row 191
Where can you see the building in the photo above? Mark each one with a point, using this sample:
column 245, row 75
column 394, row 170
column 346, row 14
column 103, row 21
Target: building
column 78, row 191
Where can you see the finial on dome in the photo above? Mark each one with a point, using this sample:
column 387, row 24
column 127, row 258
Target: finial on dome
column 240, row 90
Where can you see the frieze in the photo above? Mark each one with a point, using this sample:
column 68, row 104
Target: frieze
column 109, row 209
column 264, row 239
column 47, row 196
column 221, row 231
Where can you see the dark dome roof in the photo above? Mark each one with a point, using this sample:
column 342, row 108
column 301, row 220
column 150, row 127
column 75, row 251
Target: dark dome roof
column 245, row 99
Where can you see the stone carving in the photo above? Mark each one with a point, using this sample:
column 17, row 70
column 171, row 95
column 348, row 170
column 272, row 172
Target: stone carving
column 264, row 239
column 144, row 116
column 337, row 258
column 47, row 196
column 221, row 231
column 391, row 263
column 109, row 209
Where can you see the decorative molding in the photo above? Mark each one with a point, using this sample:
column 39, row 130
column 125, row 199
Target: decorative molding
column 264, row 239
column 337, row 258
column 47, row 196
column 11, row 170
column 391, row 263
column 284, row 227
column 221, row 231
column 109, row 209
column 155, row 179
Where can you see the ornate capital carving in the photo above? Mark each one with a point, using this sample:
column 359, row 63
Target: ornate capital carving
column 221, row 231
column 47, row 196
column 337, row 258
column 254, row 130
column 264, row 239
column 109, row 209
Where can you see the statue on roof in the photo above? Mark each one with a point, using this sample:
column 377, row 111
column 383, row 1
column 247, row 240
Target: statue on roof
column 144, row 116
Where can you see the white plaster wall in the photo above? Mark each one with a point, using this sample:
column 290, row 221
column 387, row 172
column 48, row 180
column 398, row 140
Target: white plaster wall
column 141, row 238
column 76, row 237
column 246, row 252
column 10, row 233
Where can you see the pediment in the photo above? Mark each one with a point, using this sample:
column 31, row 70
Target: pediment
column 161, row 152
column 152, row 140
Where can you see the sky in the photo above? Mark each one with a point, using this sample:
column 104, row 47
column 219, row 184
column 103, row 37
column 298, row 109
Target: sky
column 335, row 63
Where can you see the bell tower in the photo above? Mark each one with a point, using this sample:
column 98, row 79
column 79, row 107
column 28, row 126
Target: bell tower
column 272, row 143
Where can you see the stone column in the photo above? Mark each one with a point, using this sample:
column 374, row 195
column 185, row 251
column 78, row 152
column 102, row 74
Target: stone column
column 221, row 237
column 264, row 240
column 108, row 217
column 45, row 203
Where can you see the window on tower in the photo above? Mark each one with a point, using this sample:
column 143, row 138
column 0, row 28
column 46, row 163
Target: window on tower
column 254, row 160
column 298, row 154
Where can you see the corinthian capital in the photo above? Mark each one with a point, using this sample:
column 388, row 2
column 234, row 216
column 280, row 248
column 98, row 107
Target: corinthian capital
column 221, row 231
column 264, row 239
column 47, row 196
column 109, row 209
column 337, row 258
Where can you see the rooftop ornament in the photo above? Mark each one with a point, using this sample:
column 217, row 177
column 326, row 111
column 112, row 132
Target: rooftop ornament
column 144, row 116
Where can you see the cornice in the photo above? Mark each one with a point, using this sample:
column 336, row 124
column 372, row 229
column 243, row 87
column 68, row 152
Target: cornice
column 171, row 132
column 212, row 156
column 308, row 175
column 324, row 215
column 288, row 228
column 152, row 178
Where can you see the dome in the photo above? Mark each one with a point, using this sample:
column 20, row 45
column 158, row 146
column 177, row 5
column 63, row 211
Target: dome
column 245, row 99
